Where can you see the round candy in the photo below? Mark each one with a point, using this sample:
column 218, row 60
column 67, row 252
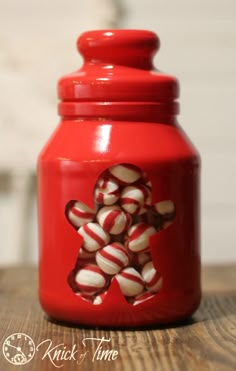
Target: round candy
column 139, row 259
column 165, row 207
column 152, row 278
column 112, row 258
column 137, row 239
column 166, row 211
column 94, row 236
column 91, row 279
column 99, row 298
column 134, row 198
column 85, row 257
column 106, row 191
column 143, row 297
column 80, row 214
column 130, row 282
column 125, row 173
column 71, row 279
column 113, row 220
column 148, row 202
column 145, row 181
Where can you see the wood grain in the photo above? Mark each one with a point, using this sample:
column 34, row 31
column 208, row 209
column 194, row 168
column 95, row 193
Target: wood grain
column 205, row 342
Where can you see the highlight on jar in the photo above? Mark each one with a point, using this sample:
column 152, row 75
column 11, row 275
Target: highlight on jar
column 116, row 237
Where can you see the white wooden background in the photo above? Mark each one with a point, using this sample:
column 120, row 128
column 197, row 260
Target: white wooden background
column 37, row 46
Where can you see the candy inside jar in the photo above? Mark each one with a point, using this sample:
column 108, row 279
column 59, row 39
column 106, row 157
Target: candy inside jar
column 118, row 192
column 116, row 237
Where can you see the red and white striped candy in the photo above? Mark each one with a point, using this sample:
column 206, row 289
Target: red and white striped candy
column 130, row 282
column 147, row 203
column 125, row 173
column 94, row 236
column 139, row 259
column 143, row 297
column 85, row 257
column 113, row 220
column 91, row 279
column 145, row 181
column 165, row 207
column 80, row 214
column 152, row 278
column 166, row 211
column 137, row 239
column 112, row 258
column 107, row 191
column 99, row 298
column 134, row 198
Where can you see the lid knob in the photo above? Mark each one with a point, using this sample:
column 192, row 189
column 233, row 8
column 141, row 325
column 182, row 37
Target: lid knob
column 133, row 48
column 118, row 79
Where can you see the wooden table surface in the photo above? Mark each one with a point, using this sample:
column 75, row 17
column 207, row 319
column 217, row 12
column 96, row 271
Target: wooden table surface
column 206, row 342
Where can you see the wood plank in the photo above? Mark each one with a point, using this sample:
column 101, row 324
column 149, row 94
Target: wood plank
column 205, row 342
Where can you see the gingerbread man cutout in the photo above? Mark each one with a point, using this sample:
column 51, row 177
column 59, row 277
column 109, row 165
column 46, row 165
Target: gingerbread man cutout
column 116, row 236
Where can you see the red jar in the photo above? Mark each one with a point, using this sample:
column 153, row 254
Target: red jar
column 118, row 192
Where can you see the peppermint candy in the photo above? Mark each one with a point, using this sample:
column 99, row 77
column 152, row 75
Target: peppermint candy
column 130, row 282
column 107, row 191
column 116, row 237
column 79, row 214
column 113, row 220
column 151, row 277
column 138, row 237
column 94, row 236
column 112, row 258
column 91, row 279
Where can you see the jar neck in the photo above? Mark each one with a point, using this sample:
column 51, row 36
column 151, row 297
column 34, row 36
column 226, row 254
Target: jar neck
column 164, row 112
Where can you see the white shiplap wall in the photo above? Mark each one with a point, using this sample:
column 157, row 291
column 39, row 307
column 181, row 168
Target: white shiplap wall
column 37, row 45
column 199, row 46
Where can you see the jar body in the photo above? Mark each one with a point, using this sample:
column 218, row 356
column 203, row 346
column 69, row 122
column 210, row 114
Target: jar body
column 68, row 168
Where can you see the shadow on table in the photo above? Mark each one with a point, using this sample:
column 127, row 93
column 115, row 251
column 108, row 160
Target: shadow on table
column 213, row 307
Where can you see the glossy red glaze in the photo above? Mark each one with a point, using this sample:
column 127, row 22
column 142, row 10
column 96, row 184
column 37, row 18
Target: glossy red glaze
column 116, row 110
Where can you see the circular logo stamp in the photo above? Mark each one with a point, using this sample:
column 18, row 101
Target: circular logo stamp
column 18, row 349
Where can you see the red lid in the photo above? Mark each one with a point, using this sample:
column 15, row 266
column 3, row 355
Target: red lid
column 117, row 75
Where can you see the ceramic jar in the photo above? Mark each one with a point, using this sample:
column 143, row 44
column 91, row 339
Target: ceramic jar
column 118, row 192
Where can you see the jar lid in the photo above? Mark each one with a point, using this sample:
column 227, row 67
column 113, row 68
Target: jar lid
column 117, row 68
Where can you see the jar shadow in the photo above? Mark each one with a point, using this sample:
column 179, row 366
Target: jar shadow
column 213, row 307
